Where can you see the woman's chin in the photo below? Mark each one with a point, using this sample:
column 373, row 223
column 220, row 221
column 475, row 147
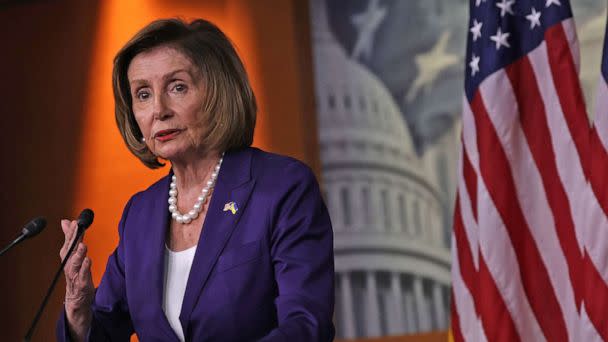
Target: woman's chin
column 179, row 156
column 170, row 154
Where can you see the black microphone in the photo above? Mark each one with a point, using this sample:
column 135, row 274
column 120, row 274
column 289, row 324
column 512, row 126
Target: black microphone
column 31, row 229
column 84, row 221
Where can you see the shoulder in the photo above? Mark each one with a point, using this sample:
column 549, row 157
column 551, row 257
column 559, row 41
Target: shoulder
column 283, row 181
column 158, row 188
column 279, row 169
column 144, row 205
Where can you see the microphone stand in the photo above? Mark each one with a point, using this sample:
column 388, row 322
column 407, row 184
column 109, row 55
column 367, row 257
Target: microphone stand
column 30, row 331
column 12, row 244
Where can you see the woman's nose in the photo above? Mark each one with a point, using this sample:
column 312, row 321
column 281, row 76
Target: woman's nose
column 161, row 109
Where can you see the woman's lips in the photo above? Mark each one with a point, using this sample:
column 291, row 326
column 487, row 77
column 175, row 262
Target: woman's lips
column 166, row 134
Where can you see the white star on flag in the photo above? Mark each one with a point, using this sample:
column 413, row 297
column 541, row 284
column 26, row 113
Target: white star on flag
column 500, row 38
column 478, row 2
column 505, row 7
column 474, row 64
column 534, row 18
column 476, row 29
column 552, row 2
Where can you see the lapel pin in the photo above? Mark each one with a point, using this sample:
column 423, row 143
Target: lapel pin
column 232, row 207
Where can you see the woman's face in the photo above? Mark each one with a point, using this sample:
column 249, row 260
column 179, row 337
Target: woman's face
column 168, row 93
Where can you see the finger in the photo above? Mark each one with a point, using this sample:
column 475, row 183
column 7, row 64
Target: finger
column 65, row 249
column 75, row 262
column 72, row 234
column 84, row 275
column 65, row 227
column 68, row 231
column 73, row 230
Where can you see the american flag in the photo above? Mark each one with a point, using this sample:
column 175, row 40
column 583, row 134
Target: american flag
column 528, row 261
column 595, row 302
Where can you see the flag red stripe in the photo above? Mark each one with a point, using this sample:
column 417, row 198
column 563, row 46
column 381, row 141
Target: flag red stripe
column 596, row 297
column 599, row 170
column 568, row 90
column 596, row 289
column 470, row 179
column 456, row 333
column 489, row 304
column 465, row 256
column 532, row 115
column 495, row 318
column 496, row 174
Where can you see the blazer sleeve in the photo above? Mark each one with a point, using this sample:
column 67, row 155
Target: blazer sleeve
column 302, row 256
column 111, row 319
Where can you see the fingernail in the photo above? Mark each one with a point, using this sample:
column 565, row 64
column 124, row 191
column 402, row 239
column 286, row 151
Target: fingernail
column 64, row 221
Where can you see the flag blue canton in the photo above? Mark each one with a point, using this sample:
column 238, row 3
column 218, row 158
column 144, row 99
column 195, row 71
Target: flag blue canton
column 605, row 57
column 501, row 31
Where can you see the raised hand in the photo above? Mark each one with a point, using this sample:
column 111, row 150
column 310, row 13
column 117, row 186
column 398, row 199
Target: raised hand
column 80, row 291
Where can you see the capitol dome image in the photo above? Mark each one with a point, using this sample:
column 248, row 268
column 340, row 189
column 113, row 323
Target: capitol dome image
column 392, row 257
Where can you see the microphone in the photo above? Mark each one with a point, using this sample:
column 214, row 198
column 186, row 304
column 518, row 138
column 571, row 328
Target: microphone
column 84, row 221
column 31, row 229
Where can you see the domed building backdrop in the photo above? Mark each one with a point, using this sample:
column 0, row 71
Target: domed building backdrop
column 388, row 84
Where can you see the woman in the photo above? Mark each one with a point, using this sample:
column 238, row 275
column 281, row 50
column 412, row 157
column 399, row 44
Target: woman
column 235, row 244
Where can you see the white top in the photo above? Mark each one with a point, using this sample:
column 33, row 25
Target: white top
column 177, row 269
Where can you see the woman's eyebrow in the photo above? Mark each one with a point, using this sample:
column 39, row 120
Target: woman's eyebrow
column 136, row 84
column 172, row 73
column 164, row 77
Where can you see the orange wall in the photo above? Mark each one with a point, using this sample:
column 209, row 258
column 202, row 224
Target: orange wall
column 46, row 50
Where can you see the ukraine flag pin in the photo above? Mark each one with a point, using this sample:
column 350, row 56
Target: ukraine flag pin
column 232, row 207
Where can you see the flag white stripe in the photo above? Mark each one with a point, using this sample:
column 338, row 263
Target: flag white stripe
column 470, row 227
column 466, row 213
column 530, row 191
column 499, row 255
column 601, row 119
column 570, row 30
column 469, row 140
column 596, row 237
column 585, row 209
column 470, row 324
column 596, row 222
column 587, row 331
column 469, row 135
column 570, row 173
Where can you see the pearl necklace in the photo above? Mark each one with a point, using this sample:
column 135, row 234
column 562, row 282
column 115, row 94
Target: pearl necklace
column 198, row 206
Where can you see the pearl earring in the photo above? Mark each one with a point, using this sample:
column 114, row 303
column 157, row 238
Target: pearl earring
column 143, row 140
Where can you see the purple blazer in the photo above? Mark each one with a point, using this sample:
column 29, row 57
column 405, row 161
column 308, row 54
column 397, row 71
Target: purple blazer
column 264, row 273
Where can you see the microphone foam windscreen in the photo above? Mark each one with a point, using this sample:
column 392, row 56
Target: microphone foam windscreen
column 85, row 218
column 34, row 227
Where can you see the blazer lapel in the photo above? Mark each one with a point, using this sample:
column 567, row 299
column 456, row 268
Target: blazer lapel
column 234, row 184
column 154, row 258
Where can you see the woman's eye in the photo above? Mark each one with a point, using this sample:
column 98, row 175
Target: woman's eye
column 180, row 88
column 142, row 95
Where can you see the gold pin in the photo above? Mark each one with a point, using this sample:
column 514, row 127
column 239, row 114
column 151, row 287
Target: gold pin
column 232, row 207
